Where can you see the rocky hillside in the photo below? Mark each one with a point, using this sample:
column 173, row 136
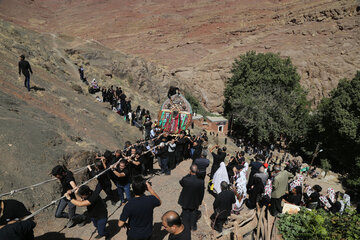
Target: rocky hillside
column 197, row 41
column 58, row 121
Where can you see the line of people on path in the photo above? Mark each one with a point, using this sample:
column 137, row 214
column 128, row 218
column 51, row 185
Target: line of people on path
column 119, row 103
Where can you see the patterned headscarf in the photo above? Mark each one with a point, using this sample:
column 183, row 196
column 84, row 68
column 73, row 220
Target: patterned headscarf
column 297, row 182
column 325, row 201
column 331, row 194
column 268, row 188
column 309, row 191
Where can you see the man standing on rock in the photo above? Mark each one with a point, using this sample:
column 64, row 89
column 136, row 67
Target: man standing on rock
column 191, row 197
column 25, row 68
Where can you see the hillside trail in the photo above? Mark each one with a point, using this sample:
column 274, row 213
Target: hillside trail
column 61, row 54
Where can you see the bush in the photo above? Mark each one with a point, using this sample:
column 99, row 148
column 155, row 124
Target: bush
column 265, row 98
column 195, row 104
column 319, row 225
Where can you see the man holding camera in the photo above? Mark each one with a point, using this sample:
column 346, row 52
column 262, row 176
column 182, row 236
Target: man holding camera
column 139, row 211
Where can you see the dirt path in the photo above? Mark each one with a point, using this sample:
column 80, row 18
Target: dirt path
column 167, row 187
column 60, row 54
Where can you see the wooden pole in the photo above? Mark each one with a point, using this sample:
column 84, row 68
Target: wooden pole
column 314, row 156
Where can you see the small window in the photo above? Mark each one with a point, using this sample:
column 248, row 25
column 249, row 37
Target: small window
column 220, row 128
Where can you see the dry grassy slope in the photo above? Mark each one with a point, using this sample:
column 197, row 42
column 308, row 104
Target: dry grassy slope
column 48, row 125
column 198, row 40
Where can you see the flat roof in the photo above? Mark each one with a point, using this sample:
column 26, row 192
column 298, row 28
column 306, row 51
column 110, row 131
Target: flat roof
column 216, row 119
column 197, row 116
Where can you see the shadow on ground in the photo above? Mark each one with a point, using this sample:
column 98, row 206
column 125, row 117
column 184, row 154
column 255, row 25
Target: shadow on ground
column 113, row 228
column 55, row 236
column 36, row 88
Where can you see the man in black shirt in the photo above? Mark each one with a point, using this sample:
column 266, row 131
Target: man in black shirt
column 171, row 221
column 222, row 206
column 123, row 181
column 191, row 197
column 25, row 68
column 147, row 126
column 11, row 212
column 68, row 183
column 104, row 182
column 139, row 211
column 197, row 147
column 202, row 164
column 95, row 205
column 162, row 152
column 81, row 72
column 180, row 147
column 21, row 230
column 135, row 162
column 255, row 167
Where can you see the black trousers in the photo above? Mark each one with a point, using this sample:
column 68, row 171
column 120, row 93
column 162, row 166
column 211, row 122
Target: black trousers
column 218, row 222
column 275, row 207
column 201, row 175
column 179, row 156
column 106, row 188
column 189, row 217
column 172, row 160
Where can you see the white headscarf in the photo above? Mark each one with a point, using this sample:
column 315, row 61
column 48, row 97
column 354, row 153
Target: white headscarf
column 240, row 184
column 219, row 176
column 345, row 202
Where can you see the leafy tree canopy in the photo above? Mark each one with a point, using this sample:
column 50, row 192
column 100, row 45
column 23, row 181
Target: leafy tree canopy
column 265, row 98
column 336, row 124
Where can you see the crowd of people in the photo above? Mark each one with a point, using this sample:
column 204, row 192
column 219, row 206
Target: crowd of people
column 235, row 183
column 270, row 183
column 126, row 169
column 119, row 102
column 140, row 117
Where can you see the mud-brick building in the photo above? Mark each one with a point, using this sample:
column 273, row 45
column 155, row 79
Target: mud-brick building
column 216, row 124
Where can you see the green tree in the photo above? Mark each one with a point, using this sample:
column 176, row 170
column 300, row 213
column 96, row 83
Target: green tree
column 265, row 98
column 336, row 124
